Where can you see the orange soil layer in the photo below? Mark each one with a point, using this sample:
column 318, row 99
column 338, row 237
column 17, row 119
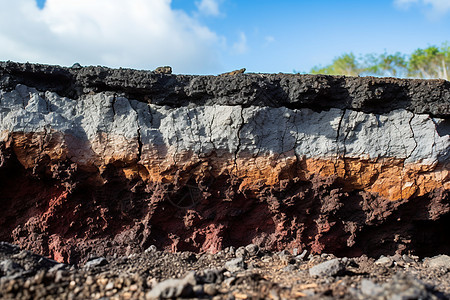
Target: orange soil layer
column 390, row 178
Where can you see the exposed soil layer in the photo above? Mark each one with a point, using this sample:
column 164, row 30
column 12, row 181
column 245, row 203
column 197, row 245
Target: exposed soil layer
column 86, row 191
column 318, row 92
column 63, row 216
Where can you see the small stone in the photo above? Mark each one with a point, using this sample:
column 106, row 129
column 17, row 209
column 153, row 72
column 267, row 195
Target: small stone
column 290, row 268
column 266, row 258
column 98, row 262
column 110, row 293
column 230, row 250
column 8, row 267
column 327, row 256
column 109, row 286
column 439, row 261
column 76, row 66
column 72, row 284
column 163, row 70
column 252, row 249
column 370, row 288
column 407, row 259
column 211, row 276
column 308, row 292
column 89, row 280
column 302, row 255
column 287, row 260
column 150, row 249
column 133, row 287
column 102, row 281
column 241, row 252
column 235, row 265
column 170, row 288
column 284, row 253
column 22, row 254
column 191, row 278
column 384, row 261
column 229, row 281
column 332, row 267
column 57, row 267
column 274, row 295
column 59, row 275
column 198, row 290
column 210, row 289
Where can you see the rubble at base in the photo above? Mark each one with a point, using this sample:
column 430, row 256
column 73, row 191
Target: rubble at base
column 157, row 274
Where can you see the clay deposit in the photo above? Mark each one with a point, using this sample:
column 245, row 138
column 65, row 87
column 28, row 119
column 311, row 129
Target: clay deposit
column 97, row 161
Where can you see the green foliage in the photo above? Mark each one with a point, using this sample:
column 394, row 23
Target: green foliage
column 345, row 64
column 431, row 62
column 386, row 64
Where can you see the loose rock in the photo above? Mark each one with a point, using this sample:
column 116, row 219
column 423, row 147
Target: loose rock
column 98, row 262
column 170, row 288
column 235, row 265
column 329, row 268
column 440, row 261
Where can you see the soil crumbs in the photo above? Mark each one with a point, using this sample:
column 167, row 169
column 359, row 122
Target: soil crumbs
column 242, row 273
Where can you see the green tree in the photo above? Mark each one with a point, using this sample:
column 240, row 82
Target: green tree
column 393, row 65
column 431, row 62
column 346, row 64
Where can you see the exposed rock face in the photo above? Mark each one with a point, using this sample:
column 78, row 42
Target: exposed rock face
column 96, row 160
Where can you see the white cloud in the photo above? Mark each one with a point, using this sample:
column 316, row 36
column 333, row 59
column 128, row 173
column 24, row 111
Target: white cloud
column 134, row 33
column 435, row 8
column 208, row 7
column 240, row 46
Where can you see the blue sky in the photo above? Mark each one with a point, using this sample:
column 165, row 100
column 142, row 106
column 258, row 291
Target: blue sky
column 214, row 36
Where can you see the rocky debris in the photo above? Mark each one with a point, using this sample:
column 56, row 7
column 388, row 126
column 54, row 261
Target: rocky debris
column 94, row 263
column 235, row 72
column 76, row 66
column 401, row 286
column 439, row 261
column 332, row 267
column 172, row 288
column 302, row 255
column 236, row 264
column 162, row 275
column 320, row 92
column 252, row 249
column 10, row 268
column 384, row 261
column 163, row 70
column 151, row 248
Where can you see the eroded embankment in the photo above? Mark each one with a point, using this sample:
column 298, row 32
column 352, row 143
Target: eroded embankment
column 100, row 161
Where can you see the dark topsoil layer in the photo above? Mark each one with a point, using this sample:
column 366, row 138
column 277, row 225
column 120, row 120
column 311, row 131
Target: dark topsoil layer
column 318, row 92
column 243, row 273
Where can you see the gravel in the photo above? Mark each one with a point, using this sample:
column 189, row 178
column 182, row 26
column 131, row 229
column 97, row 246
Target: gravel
column 158, row 274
